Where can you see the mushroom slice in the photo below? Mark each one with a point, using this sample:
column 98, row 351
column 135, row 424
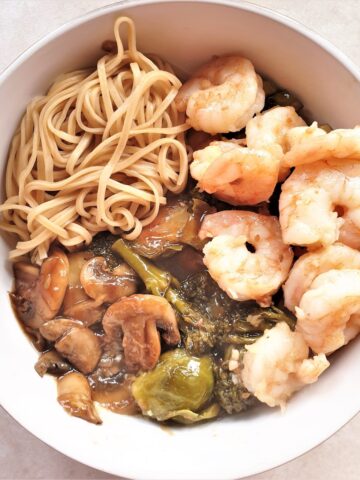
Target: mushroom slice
column 107, row 286
column 81, row 347
column 74, row 395
column 54, row 329
column 135, row 319
column 51, row 362
column 75, row 342
column 40, row 293
column 88, row 312
column 76, row 303
column 111, row 363
column 26, row 279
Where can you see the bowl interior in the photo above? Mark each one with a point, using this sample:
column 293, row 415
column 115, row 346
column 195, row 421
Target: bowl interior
column 186, row 34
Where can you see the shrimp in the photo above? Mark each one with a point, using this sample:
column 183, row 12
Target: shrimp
column 350, row 231
column 235, row 174
column 222, row 96
column 310, row 200
column 277, row 365
column 311, row 144
column 270, row 128
column 244, row 275
column 328, row 315
column 312, row 264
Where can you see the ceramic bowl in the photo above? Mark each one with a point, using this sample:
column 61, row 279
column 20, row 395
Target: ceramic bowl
column 186, row 33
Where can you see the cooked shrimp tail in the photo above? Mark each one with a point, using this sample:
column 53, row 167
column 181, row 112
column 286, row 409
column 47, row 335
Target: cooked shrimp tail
column 236, row 174
column 277, row 365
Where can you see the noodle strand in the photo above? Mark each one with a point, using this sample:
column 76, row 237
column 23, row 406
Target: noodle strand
column 98, row 152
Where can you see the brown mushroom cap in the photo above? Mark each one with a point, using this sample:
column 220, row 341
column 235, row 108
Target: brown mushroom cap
column 77, row 304
column 74, row 341
column 56, row 328
column 81, row 347
column 135, row 319
column 107, row 286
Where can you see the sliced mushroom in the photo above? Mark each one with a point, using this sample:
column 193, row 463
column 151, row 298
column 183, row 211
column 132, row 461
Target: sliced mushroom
column 56, row 328
column 76, row 303
column 107, row 286
column 74, row 341
column 51, row 362
column 39, row 293
column 26, row 279
column 135, row 319
column 111, row 363
column 81, row 347
column 74, row 395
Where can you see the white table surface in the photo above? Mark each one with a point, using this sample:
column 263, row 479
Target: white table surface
column 22, row 456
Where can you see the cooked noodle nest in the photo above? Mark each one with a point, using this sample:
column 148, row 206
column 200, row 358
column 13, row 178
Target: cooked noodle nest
column 98, row 152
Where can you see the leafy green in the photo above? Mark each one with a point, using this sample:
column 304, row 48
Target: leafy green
column 226, row 321
column 209, row 318
column 101, row 247
column 161, row 283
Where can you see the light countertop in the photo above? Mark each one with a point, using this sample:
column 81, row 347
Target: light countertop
column 22, row 456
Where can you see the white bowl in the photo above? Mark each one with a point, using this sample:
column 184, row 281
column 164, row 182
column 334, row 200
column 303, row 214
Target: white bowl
column 185, row 33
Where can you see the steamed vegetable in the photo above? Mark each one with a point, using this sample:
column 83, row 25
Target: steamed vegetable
column 158, row 282
column 178, row 388
column 209, row 318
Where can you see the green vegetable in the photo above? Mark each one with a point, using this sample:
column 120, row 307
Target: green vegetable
column 187, row 417
column 209, row 318
column 159, row 282
column 101, row 247
column 233, row 398
column 232, row 322
column 156, row 281
column 178, row 388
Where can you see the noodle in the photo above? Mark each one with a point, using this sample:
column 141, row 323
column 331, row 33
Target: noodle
column 98, row 152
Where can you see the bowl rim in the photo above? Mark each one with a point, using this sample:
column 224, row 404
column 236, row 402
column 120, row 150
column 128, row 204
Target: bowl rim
column 119, row 5
column 278, row 17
